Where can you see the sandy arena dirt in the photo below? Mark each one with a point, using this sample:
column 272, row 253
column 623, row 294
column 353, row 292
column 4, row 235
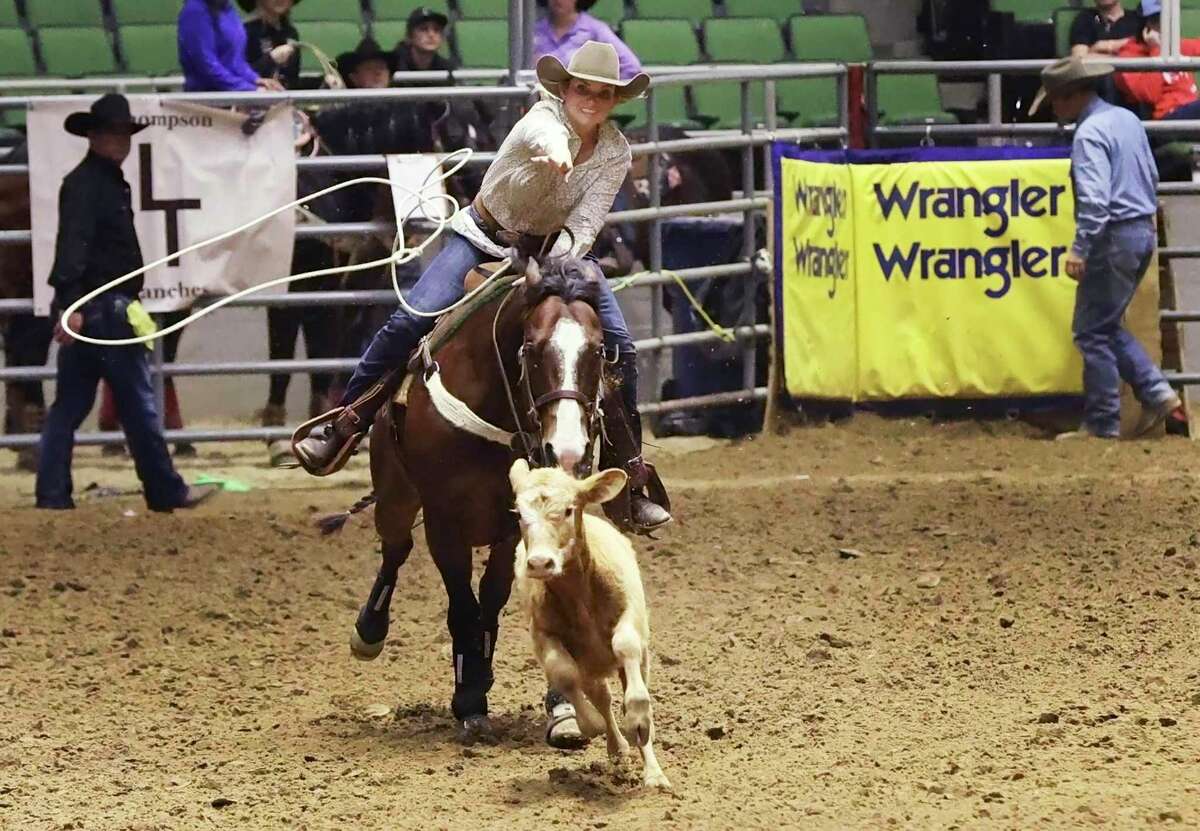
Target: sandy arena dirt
column 1006, row 640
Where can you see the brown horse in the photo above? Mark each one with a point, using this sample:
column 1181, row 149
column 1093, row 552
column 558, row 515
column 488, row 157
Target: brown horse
column 530, row 363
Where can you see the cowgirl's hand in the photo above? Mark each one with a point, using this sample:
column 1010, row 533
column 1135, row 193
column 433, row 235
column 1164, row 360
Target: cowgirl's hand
column 560, row 161
column 75, row 322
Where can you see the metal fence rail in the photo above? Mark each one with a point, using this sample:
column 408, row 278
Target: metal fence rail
column 749, row 138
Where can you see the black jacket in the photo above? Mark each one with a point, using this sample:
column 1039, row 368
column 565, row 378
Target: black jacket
column 261, row 39
column 404, row 64
column 96, row 238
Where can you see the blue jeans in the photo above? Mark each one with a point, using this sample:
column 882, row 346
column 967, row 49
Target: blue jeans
column 1116, row 265
column 127, row 371
column 440, row 286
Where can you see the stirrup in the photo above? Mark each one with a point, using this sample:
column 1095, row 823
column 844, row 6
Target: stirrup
column 344, row 453
column 619, row 510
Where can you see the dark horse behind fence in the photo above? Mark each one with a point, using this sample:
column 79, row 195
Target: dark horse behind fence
column 519, row 375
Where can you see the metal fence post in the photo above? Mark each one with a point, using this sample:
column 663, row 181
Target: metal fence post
column 749, row 293
column 516, row 39
column 995, row 94
column 770, row 409
column 160, row 385
column 654, row 368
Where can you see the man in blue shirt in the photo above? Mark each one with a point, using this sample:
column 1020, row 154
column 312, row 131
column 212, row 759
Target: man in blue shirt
column 1115, row 183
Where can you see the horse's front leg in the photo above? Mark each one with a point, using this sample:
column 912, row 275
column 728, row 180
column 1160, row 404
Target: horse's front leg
column 494, row 589
column 472, row 670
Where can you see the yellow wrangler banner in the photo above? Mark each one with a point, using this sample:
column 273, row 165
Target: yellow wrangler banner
column 954, row 282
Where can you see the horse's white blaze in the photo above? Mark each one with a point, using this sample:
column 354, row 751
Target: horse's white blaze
column 569, row 440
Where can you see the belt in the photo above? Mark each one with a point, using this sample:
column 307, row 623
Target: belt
column 525, row 243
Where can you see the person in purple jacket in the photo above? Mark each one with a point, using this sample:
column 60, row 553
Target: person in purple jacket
column 212, row 49
column 567, row 26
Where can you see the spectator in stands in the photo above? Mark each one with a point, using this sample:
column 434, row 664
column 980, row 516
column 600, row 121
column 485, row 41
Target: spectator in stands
column 212, row 50
column 1115, row 185
column 567, row 26
column 1104, row 29
column 271, row 41
column 372, row 127
column 418, row 52
column 1163, row 95
column 96, row 244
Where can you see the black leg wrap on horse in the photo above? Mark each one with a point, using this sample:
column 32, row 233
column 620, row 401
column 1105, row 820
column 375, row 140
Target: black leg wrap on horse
column 473, row 674
column 372, row 623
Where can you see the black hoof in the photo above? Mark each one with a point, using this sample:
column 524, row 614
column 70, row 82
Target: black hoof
column 476, row 730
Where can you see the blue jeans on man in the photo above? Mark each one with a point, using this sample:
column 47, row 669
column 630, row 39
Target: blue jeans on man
column 1115, row 267
column 81, row 366
column 440, row 286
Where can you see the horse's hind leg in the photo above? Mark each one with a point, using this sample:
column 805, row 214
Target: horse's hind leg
column 396, row 509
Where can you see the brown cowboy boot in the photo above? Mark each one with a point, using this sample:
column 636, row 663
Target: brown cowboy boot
column 643, row 507
column 323, row 444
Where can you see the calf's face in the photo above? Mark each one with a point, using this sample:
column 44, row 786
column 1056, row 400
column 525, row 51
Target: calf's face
column 550, row 506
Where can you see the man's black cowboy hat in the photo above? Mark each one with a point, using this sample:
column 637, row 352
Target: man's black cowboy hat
column 368, row 49
column 249, row 5
column 424, row 14
column 110, row 112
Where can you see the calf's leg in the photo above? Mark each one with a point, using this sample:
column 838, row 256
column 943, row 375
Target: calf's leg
column 634, row 660
column 597, row 690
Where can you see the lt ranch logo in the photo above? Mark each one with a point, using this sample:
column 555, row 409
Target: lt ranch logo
column 999, row 205
column 823, row 262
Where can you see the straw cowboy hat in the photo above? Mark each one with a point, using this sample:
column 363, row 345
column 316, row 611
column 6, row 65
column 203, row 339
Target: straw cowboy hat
column 594, row 61
column 109, row 112
column 1067, row 75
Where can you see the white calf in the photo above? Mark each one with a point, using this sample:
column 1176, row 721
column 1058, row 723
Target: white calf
column 583, row 592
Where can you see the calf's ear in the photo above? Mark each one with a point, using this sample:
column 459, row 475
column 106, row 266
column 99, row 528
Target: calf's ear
column 601, row 487
column 518, row 474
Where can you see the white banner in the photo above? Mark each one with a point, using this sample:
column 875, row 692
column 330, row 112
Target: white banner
column 418, row 176
column 194, row 175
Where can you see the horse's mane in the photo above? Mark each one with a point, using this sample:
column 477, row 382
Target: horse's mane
column 569, row 278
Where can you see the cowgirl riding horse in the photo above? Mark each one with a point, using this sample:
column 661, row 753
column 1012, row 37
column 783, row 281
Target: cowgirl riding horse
column 559, row 168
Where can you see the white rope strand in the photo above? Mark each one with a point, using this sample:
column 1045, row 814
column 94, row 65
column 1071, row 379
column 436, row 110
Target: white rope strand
column 399, row 255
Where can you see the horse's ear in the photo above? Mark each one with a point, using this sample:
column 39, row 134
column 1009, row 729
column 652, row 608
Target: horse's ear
column 518, row 474
column 533, row 272
column 602, row 487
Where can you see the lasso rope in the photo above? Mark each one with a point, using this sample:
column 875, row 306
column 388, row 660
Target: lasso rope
column 399, row 255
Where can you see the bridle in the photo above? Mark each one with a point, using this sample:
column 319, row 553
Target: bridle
column 531, row 444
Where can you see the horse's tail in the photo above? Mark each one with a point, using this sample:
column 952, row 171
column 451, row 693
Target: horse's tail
column 332, row 523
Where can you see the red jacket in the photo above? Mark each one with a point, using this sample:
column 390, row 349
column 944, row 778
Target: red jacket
column 1163, row 92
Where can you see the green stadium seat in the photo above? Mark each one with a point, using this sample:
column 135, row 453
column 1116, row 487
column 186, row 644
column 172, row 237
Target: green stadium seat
column 1189, row 23
column 736, row 40
column 693, row 10
column 331, row 37
column 743, row 40
column 345, row 11
column 482, row 44
column 483, row 9
column 16, row 54
column 668, row 42
column 1028, row 11
column 150, row 50
column 140, row 12
column 670, row 108
column 719, row 105
column 830, row 37
column 8, row 14
column 64, row 12
column 399, row 10
column 813, row 102
column 76, row 51
column 911, row 99
column 661, row 43
column 1063, row 18
column 611, row 12
column 1190, row 4
column 778, row 10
